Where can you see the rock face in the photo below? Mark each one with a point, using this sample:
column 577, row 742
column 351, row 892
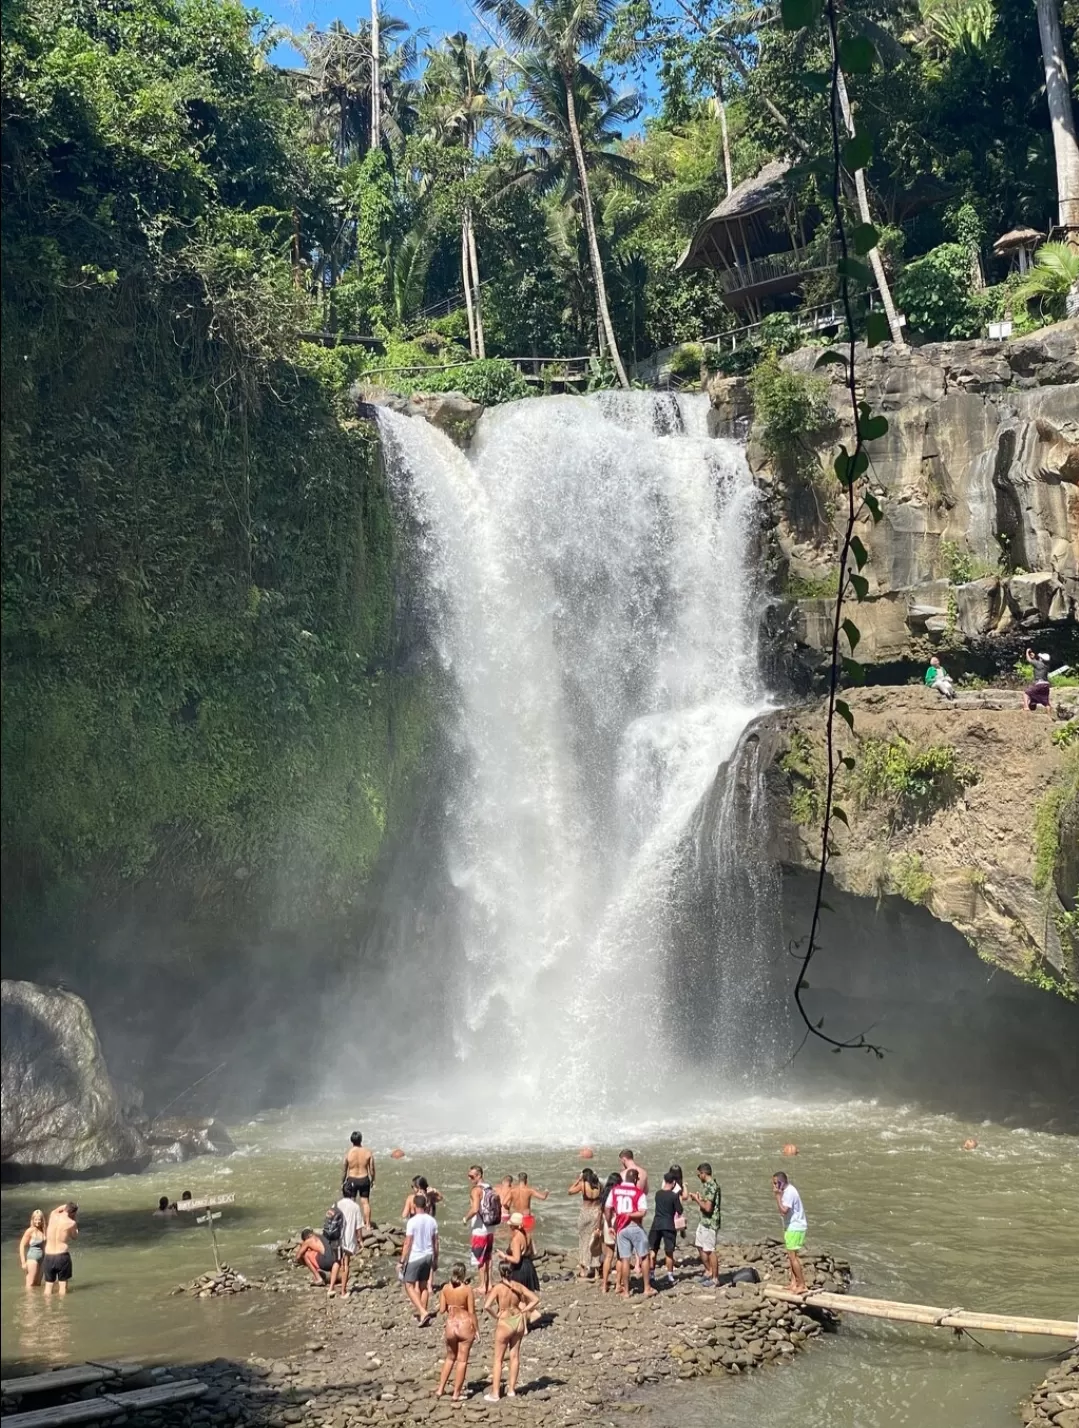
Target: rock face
column 978, row 479
column 452, row 412
column 970, row 857
column 60, row 1110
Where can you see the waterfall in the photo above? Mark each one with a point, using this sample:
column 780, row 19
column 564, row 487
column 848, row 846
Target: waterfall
column 588, row 597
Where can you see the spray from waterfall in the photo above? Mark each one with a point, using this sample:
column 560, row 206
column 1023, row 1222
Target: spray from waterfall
column 588, row 597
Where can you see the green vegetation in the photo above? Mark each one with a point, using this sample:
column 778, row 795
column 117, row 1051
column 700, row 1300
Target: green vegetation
column 800, row 587
column 909, row 878
column 802, row 765
column 961, row 566
column 912, row 783
column 686, row 361
column 1054, row 808
column 1066, row 734
column 792, row 419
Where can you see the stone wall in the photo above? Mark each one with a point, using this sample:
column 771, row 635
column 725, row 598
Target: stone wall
column 978, row 479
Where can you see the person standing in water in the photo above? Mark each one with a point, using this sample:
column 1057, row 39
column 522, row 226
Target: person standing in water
column 32, row 1249
column 626, row 1161
column 458, row 1303
column 421, row 1187
column 358, row 1175
column 521, row 1196
column 59, row 1233
column 795, row 1225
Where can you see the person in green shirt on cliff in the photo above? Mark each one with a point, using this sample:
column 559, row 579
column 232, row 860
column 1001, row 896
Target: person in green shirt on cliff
column 707, row 1200
column 936, row 678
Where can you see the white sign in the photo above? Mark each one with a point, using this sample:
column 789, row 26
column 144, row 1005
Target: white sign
column 206, row 1202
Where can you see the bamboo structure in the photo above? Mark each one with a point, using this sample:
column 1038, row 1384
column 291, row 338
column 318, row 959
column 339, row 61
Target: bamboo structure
column 926, row 1314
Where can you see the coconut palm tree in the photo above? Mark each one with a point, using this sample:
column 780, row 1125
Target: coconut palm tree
column 1058, row 95
column 557, row 35
column 338, row 84
column 461, row 80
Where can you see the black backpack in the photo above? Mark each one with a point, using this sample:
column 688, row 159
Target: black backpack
column 334, row 1226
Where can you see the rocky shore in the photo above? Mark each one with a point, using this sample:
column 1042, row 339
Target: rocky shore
column 365, row 1359
column 1055, row 1402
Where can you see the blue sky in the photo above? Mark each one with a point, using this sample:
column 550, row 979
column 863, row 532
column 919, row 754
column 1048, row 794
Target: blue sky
column 438, row 17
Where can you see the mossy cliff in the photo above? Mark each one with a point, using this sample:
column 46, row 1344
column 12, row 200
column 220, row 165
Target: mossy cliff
column 211, row 727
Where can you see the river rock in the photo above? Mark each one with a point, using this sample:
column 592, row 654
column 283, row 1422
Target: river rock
column 60, row 1110
column 178, row 1138
column 452, row 412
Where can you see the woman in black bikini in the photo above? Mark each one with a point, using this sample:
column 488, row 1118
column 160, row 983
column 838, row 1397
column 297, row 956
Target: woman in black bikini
column 458, row 1303
column 517, row 1262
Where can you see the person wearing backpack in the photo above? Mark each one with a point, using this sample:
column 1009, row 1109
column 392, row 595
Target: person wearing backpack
column 333, row 1228
column 484, row 1216
column 351, row 1236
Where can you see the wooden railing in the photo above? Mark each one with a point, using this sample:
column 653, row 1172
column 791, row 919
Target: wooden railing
column 756, row 271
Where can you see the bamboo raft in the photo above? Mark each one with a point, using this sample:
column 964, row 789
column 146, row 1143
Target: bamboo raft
column 115, row 1400
column 926, row 1314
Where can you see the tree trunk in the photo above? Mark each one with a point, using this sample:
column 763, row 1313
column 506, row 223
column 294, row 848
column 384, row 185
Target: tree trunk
column 590, row 229
column 466, row 283
column 477, row 297
column 721, row 110
column 862, row 195
column 1065, row 145
column 376, row 80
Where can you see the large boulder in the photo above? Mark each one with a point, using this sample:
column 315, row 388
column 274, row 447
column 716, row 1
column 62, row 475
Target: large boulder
column 60, row 1111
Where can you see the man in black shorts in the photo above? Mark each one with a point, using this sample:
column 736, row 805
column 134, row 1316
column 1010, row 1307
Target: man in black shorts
column 668, row 1204
column 59, row 1233
column 358, row 1174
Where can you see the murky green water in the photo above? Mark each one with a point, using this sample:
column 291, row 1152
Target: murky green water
column 891, row 1190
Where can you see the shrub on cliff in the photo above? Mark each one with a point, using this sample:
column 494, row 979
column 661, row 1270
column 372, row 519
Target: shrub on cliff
column 912, row 783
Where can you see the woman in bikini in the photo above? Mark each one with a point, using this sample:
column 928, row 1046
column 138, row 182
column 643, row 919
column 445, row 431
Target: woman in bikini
column 458, row 1303
column 607, row 1229
column 421, row 1187
column 32, row 1249
column 518, row 1261
column 511, row 1304
column 588, row 1221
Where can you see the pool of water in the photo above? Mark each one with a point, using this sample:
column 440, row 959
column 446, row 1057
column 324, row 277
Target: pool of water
column 889, row 1189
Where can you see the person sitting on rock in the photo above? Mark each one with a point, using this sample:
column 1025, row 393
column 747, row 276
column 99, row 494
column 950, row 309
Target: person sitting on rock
column 937, row 678
column 319, row 1257
column 1036, row 694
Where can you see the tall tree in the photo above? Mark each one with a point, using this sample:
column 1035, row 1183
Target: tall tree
column 1058, row 95
column 461, row 80
column 558, row 35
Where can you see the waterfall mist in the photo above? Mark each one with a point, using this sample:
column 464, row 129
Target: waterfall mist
column 588, row 596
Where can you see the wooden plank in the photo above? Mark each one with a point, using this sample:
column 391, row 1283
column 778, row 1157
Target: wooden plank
column 61, row 1380
column 105, row 1405
column 925, row 1314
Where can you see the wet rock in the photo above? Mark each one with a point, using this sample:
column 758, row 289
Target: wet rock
column 176, row 1139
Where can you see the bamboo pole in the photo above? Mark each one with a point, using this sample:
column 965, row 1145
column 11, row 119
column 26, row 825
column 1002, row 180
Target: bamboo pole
column 925, row 1313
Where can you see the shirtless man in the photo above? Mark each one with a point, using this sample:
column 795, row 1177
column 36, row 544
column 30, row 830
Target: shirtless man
column 358, row 1175
column 59, row 1233
column 627, row 1162
column 521, row 1196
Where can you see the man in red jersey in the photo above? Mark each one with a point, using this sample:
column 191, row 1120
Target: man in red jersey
column 626, row 1209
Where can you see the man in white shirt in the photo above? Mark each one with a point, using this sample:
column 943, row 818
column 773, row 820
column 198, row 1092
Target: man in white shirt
column 351, row 1237
column 419, row 1258
column 795, row 1225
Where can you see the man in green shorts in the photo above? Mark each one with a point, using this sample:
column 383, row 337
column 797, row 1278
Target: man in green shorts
column 792, row 1211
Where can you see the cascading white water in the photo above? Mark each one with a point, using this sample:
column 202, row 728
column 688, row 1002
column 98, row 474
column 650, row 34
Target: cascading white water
column 588, row 595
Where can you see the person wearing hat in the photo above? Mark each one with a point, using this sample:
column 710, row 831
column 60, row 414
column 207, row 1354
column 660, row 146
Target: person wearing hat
column 518, row 1260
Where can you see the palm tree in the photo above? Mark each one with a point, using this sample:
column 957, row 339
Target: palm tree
column 556, row 35
column 461, row 80
column 346, row 93
column 1065, row 144
column 1054, row 273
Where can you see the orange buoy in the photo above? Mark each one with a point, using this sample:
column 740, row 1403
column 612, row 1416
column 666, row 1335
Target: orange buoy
column 970, row 1143
column 585, row 1153
column 790, row 1149
column 397, row 1154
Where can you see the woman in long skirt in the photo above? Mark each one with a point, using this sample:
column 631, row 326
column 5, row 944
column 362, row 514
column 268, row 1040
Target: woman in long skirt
column 588, row 1186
